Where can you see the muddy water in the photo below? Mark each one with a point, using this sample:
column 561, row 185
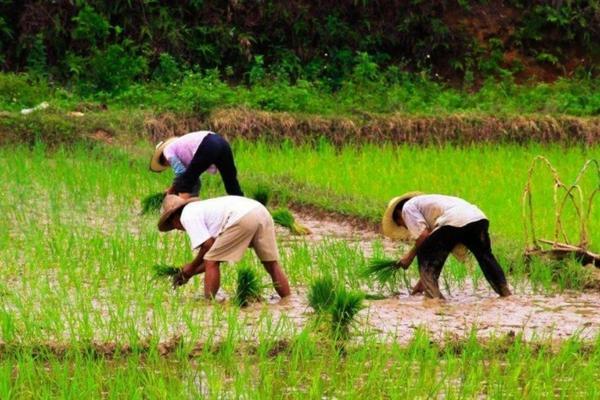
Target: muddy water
column 533, row 315
column 327, row 228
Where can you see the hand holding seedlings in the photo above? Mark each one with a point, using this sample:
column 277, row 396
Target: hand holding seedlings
column 438, row 224
column 404, row 262
column 179, row 279
column 247, row 224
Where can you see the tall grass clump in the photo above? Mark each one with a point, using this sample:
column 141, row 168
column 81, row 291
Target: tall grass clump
column 346, row 305
column 321, row 294
column 152, row 203
column 248, row 288
column 285, row 218
column 262, row 194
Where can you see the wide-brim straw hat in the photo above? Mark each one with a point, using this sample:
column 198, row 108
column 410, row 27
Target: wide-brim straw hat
column 155, row 165
column 394, row 231
column 170, row 205
column 389, row 227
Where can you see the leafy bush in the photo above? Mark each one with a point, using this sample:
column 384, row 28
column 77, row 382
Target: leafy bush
column 90, row 27
column 167, row 70
column 111, row 70
column 19, row 91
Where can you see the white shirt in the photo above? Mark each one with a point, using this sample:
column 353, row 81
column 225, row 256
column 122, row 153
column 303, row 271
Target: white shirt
column 207, row 219
column 432, row 211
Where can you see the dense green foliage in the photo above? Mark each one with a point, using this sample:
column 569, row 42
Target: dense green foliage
column 199, row 93
column 106, row 46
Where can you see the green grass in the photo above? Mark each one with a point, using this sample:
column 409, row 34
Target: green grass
column 411, row 95
column 321, row 294
column 359, row 180
column 248, row 287
column 74, row 273
column 262, row 194
column 307, row 368
column 164, row 271
column 285, row 218
column 152, row 203
column 383, row 270
column 346, row 305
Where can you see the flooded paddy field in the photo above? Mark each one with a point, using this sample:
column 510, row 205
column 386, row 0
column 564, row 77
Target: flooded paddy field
column 81, row 310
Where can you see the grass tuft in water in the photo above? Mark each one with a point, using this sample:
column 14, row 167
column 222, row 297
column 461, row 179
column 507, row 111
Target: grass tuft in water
column 346, row 305
column 285, row 218
column 321, row 294
column 249, row 287
column 152, row 203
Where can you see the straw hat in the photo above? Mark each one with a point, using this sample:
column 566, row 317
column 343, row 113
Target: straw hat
column 155, row 165
column 170, row 205
column 389, row 227
column 394, row 231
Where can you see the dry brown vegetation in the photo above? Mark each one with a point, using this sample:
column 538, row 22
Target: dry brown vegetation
column 55, row 127
column 463, row 129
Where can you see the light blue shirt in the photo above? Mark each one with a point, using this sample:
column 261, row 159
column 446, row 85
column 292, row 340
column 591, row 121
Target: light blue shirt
column 177, row 165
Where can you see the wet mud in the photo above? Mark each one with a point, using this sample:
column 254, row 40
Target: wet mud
column 466, row 309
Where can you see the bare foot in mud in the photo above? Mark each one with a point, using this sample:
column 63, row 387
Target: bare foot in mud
column 418, row 289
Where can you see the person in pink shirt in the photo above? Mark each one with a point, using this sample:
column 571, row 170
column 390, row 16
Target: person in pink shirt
column 192, row 154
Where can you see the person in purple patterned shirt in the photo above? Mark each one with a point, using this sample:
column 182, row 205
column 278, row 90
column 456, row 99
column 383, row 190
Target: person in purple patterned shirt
column 192, row 154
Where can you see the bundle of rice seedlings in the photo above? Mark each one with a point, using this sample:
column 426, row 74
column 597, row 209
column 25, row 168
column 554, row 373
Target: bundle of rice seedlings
column 152, row 202
column 262, row 194
column 321, row 294
column 248, row 287
column 284, row 217
column 346, row 304
column 165, row 271
column 383, row 270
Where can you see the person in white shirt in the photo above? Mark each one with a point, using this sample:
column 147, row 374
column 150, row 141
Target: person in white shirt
column 221, row 229
column 438, row 225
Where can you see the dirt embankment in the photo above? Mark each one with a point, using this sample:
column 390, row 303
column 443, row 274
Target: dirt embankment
column 55, row 127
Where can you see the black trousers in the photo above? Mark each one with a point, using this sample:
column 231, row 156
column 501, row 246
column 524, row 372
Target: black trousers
column 213, row 150
column 434, row 251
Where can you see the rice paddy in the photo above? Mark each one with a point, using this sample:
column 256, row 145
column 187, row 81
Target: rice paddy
column 82, row 314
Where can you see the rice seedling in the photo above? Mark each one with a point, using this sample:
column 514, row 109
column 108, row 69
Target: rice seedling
column 383, row 270
column 262, row 194
column 152, row 203
column 52, row 314
column 249, row 287
column 164, row 271
column 345, row 307
column 354, row 189
column 321, row 294
column 285, row 218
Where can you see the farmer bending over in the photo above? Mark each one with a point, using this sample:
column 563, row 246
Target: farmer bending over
column 438, row 224
column 221, row 229
column 192, row 154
